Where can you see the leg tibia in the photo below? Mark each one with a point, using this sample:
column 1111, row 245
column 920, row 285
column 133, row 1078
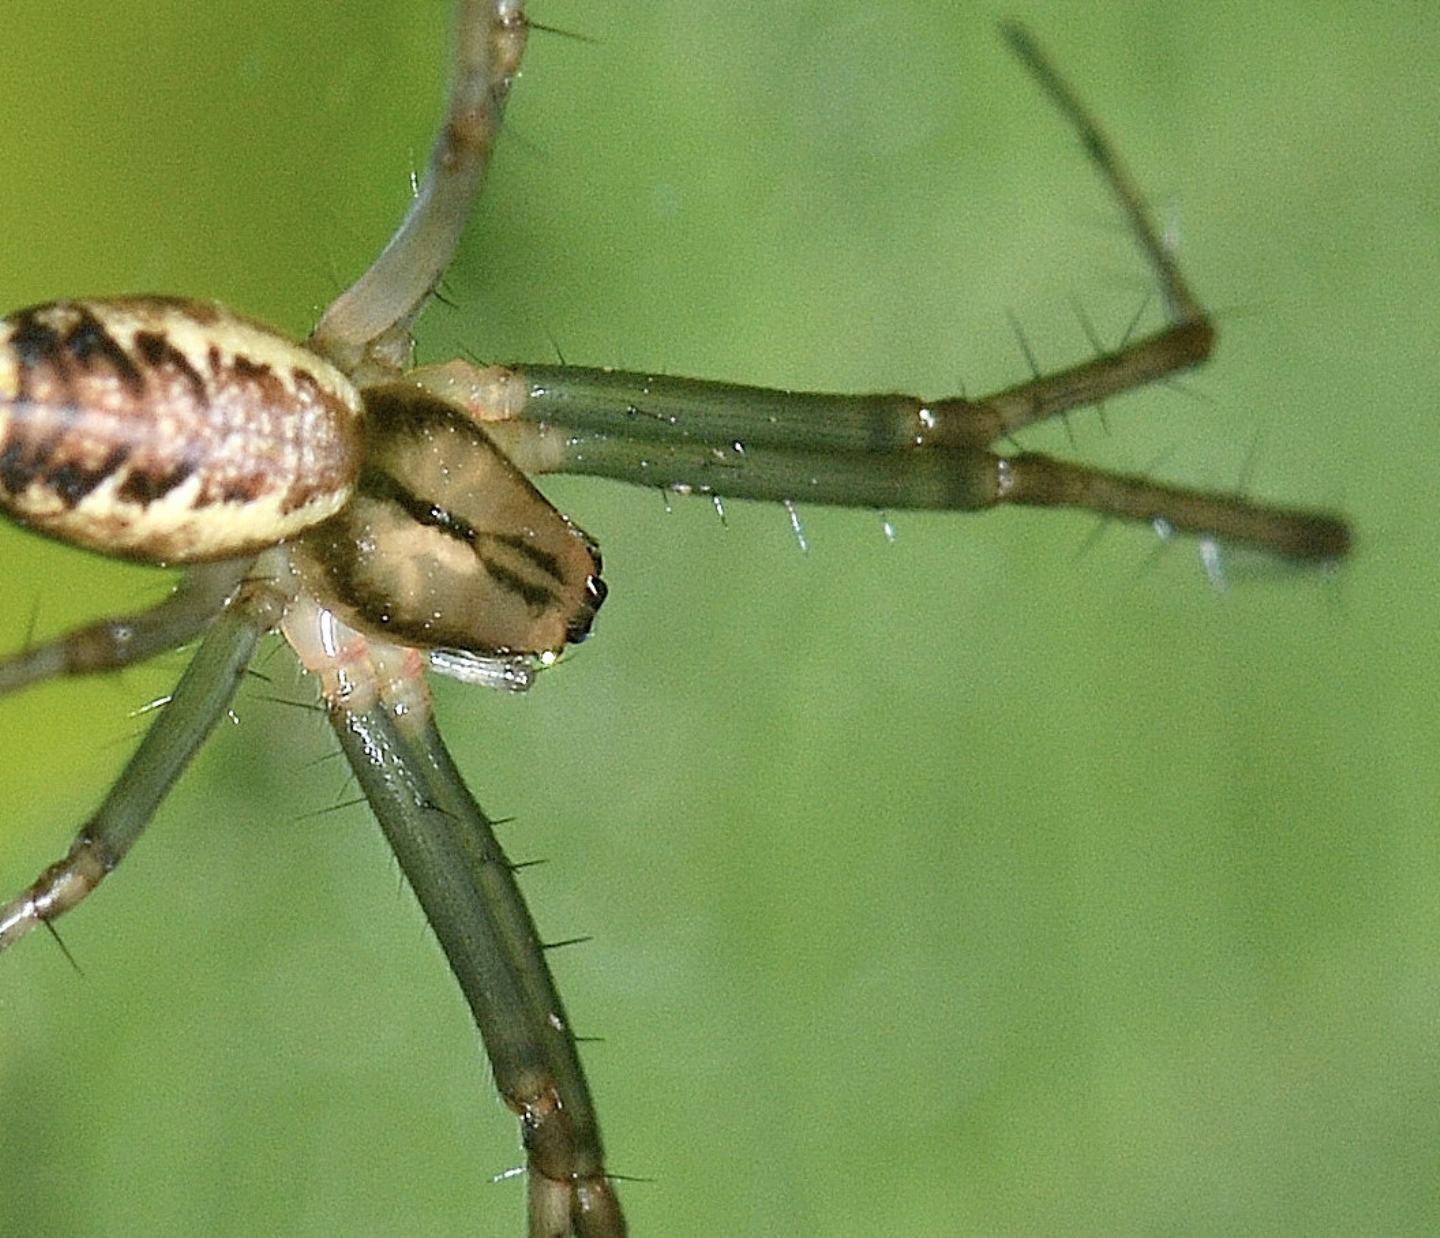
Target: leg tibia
column 453, row 862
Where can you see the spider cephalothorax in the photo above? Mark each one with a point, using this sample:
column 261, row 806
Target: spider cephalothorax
column 445, row 543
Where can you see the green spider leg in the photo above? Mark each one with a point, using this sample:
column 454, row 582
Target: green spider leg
column 119, row 641
column 366, row 329
column 888, row 451
column 380, row 710
column 199, row 701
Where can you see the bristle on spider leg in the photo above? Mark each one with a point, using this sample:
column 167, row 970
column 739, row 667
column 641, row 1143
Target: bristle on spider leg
column 796, row 528
column 548, row 946
column 575, row 36
column 1086, row 326
column 64, row 949
column 1036, row 373
column 1130, row 327
column 1096, row 344
column 28, row 642
column 1092, row 539
column 1024, row 341
column 329, row 809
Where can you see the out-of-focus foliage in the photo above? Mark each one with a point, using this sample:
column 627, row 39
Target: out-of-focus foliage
column 965, row 884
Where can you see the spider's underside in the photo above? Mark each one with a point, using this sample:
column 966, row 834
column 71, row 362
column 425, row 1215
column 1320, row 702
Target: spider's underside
column 885, row 451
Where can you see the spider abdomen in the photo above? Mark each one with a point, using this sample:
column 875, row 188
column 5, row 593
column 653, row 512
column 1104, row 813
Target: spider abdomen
column 167, row 430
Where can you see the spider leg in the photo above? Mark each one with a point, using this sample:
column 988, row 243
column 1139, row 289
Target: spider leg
column 884, row 450
column 123, row 640
column 366, row 329
column 380, row 710
column 660, row 408
column 881, row 451
column 199, row 701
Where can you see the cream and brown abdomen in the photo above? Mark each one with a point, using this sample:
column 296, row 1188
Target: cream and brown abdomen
column 169, row 431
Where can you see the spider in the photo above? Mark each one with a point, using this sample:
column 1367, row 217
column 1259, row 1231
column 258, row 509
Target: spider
column 510, row 657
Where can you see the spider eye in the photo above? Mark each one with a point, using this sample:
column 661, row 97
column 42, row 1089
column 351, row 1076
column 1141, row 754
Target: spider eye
column 446, row 544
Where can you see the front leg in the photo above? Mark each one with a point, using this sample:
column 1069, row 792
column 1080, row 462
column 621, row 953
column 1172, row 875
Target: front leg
column 379, row 708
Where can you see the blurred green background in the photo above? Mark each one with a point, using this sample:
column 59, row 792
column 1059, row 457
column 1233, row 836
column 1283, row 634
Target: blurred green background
column 977, row 883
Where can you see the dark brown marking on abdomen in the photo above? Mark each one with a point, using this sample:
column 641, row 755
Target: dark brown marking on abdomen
column 144, row 488
column 89, row 343
column 71, row 482
column 161, row 355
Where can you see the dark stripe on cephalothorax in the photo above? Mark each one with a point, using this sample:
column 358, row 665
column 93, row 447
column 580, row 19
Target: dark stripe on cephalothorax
column 384, row 488
column 159, row 353
column 542, row 559
column 537, row 597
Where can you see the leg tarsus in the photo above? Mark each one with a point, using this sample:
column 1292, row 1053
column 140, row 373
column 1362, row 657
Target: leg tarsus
column 1035, row 480
column 1180, row 302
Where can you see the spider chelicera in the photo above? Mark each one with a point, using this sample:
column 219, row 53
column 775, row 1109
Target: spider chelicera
column 652, row 430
